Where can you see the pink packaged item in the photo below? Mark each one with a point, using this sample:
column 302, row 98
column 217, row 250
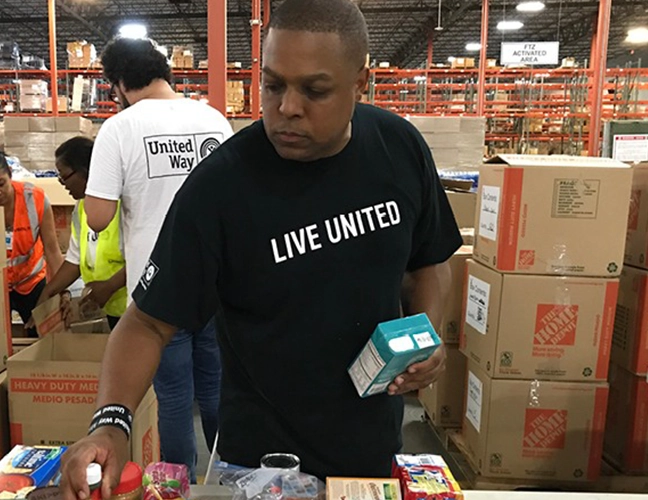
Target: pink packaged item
column 163, row 481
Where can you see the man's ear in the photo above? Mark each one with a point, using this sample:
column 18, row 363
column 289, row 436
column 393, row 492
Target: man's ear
column 361, row 82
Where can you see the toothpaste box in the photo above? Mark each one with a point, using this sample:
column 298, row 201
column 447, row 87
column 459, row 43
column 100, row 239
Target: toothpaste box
column 28, row 467
column 392, row 348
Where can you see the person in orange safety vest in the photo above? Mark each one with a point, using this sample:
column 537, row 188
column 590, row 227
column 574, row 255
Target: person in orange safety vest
column 32, row 247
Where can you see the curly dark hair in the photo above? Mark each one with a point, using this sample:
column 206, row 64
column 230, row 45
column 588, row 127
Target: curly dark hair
column 134, row 62
column 75, row 154
column 342, row 17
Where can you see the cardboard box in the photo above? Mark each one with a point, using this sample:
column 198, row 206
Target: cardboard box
column 393, row 346
column 82, row 126
column 453, row 312
column 33, row 87
column 636, row 248
column 5, row 442
column 443, row 401
column 16, row 123
column 344, row 488
column 42, row 124
column 48, row 318
column 521, row 429
column 32, row 103
column 626, row 431
column 62, row 105
column 538, row 327
column 463, row 206
column 53, row 390
column 630, row 339
column 57, row 194
column 553, row 215
column 6, row 347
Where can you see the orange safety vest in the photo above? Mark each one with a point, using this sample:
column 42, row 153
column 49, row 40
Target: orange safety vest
column 26, row 259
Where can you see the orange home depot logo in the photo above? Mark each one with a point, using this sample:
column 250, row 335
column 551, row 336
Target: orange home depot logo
column 526, row 259
column 635, row 205
column 545, row 429
column 555, row 325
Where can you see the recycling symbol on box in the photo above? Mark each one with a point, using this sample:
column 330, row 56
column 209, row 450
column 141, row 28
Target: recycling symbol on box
column 612, row 267
column 587, row 372
column 578, row 473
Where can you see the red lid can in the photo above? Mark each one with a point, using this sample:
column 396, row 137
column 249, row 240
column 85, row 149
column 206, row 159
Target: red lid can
column 131, row 479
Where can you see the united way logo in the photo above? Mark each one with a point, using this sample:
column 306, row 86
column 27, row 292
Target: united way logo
column 208, row 146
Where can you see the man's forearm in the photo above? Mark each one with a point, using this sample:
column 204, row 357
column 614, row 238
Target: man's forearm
column 67, row 274
column 427, row 291
column 131, row 358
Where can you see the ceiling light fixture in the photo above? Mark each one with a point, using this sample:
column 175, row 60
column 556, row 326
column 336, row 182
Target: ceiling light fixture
column 509, row 25
column 473, row 47
column 637, row 35
column 439, row 27
column 133, row 30
column 531, row 6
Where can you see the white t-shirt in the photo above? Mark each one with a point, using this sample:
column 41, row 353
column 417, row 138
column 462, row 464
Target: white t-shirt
column 142, row 156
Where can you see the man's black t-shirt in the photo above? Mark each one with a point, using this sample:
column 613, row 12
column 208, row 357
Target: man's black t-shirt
column 303, row 260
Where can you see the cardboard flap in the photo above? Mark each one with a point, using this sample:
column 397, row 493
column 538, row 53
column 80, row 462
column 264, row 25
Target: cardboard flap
column 555, row 161
column 459, row 185
column 48, row 317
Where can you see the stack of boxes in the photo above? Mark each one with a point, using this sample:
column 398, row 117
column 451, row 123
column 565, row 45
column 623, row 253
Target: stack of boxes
column 626, row 435
column 456, row 142
column 81, row 54
column 539, row 306
column 182, row 57
column 443, row 401
column 33, row 95
column 235, row 96
column 35, row 139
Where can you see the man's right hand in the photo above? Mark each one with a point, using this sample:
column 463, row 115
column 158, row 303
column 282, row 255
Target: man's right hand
column 106, row 446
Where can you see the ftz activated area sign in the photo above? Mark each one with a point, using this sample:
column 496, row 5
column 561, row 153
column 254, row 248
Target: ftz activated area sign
column 530, row 53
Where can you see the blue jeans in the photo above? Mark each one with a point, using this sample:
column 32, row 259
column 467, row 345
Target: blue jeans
column 190, row 368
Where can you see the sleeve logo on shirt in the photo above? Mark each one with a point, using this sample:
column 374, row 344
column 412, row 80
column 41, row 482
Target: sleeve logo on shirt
column 178, row 154
column 150, row 271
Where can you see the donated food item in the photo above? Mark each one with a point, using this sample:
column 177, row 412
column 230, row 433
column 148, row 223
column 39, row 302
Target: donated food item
column 45, row 493
column 93, row 476
column 343, row 488
column 163, row 481
column 266, row 484
column 130, row 483
column 392, row 348
column 28, row 467
column 425, row 477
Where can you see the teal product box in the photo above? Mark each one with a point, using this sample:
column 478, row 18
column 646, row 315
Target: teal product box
column 392, row 348
column 28, row 467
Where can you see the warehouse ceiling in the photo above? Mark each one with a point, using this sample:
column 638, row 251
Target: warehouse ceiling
column 399, row 29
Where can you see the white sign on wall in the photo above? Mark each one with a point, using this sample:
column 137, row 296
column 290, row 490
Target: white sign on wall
column 530, row 53
column 630, row 147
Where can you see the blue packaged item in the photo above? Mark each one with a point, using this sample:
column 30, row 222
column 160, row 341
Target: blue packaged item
column 392, row 348
column 29, row 467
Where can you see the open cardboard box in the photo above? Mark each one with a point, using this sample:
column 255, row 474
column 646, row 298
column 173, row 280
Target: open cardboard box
column 48, row 318
column 53, row 394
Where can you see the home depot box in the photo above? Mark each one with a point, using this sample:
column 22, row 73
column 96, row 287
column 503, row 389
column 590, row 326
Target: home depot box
column 444, row 399
column 5, row 443
column 630, row 339
column 53, row 391
column 626, row 431
column 552, row 214
column 637, row 236
column 545, row 327
column 525, row 429
column 452, row 312
column 463, row 205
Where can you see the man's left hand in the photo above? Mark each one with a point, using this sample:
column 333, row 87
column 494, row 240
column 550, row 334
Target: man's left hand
column 420, row 375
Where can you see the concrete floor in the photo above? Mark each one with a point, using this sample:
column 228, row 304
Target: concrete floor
column 417, row 435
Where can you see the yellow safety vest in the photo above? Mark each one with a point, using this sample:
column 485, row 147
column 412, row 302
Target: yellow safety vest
column 108, row 260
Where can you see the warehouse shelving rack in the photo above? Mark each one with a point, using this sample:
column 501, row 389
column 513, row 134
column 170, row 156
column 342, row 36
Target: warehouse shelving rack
column 527, row 109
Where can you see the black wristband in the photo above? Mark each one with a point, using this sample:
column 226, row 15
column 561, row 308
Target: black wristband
column 112, row 416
